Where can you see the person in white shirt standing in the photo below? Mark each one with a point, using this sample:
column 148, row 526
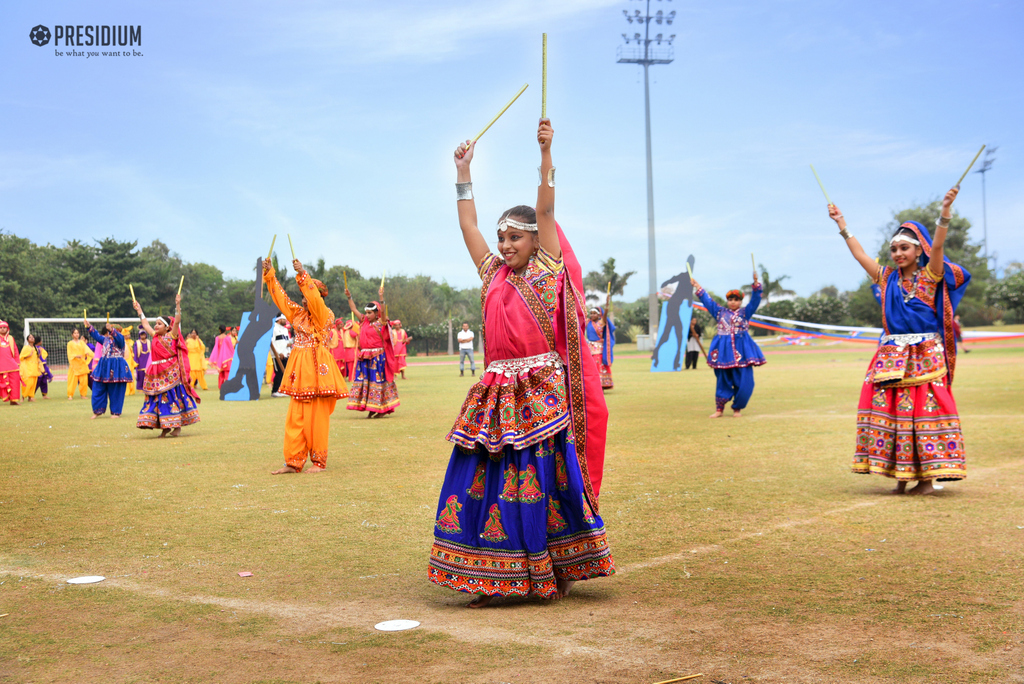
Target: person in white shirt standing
column 466, row 349
column 281, row 348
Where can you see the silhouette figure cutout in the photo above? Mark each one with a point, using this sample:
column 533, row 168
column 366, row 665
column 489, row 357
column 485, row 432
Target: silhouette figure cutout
column 254, row 336
column 673, row 313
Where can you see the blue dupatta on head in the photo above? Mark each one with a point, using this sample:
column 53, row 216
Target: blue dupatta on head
column 608, row 351
column 914, row 316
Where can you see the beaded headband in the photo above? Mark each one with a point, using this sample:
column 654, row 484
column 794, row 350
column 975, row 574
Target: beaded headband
column 370, row 307
column 903, row 237
column 506, row 223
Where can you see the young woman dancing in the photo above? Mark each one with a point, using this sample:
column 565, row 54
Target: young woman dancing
column 907, row 422
column 171, row 401
column 311, row 378
column 601, row 339
column 733, row 352
column 518, row 512
column 373, row 383
column 111, row 375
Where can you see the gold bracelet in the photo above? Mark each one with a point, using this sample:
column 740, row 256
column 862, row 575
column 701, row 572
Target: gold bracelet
column 845, row 233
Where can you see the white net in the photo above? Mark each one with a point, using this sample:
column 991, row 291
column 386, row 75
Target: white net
column 56, row 333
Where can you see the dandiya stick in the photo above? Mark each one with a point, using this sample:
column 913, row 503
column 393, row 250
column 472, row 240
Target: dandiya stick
column 751, row 263
column 271, row 252
column 180, row 284
column 821, row 186
column 498, row 116
column 969, row 167
column 132, row 289
column 689, row 270
column 345, row 275
column 680, row 679
column 291, row 246
column 544, row 78
column 382, row 277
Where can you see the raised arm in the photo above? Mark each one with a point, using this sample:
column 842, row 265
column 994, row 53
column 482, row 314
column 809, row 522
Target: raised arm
column 755, row 299
column 866, row 262
column 352, row 304
column 474, row 239
column 142, row 320
column 281, row 299
column 176, row 326
column 93, row 334
column 547, row 232
column 935, row 264
column 710, row 304
column 314, row 302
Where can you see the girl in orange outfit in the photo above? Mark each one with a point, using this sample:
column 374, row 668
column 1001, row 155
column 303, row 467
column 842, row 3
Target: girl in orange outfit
column 311, row 377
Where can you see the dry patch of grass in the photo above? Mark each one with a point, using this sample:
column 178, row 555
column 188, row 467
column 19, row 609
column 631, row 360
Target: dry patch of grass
column 745, row 548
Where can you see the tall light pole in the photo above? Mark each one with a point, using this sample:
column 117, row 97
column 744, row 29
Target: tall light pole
column 647, row 54
column 986, row 164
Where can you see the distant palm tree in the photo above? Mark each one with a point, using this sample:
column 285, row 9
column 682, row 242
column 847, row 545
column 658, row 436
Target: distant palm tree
column 598, row 280
column 769, row 286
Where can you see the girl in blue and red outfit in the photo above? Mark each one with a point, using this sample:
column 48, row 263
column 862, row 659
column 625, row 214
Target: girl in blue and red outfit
column 111, row 375
column 908, row 427
column 733, row 352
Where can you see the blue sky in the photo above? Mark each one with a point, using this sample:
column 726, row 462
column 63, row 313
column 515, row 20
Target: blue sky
column 335, row 122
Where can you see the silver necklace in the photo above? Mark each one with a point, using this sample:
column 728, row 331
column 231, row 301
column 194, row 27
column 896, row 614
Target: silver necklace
column 907, row 296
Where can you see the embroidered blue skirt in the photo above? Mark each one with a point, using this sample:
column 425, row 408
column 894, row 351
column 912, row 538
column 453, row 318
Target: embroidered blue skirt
column 512, row 523
column 371, row 390
column 174, row 408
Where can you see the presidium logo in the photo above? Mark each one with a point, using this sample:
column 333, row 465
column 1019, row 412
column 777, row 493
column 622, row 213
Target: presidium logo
column 89, row 36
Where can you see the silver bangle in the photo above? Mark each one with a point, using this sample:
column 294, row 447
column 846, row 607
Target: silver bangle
column 551, row 177
column 845, row 233
column 463, row 191
column 943, row 222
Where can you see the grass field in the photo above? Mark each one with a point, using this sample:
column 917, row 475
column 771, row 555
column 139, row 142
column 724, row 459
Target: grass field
column 745, row 549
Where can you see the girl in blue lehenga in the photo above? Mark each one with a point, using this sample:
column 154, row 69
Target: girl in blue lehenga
column 518, row 511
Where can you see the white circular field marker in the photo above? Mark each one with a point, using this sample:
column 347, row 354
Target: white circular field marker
column 396, row 625
column 88, row 579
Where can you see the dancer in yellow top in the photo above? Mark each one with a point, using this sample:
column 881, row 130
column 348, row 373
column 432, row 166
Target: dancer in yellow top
column 31, row 368
column 130, row 358
column 79, row 356
column 311, row 378
column 196, row 359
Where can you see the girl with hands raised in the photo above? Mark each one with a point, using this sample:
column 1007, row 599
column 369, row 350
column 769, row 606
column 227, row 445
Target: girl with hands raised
column 907, row 422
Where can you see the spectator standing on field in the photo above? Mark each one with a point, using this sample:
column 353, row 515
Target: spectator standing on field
column 466, row 349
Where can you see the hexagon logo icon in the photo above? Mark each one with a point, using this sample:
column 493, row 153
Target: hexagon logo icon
column 40, row 35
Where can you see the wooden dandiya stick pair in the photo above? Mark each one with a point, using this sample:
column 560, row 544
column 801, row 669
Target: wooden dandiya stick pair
column 957, row 185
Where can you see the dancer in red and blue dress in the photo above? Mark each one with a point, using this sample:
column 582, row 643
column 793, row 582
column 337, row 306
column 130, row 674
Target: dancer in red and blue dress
column 733, row 352
column 171, row 401
column 373, row 382
column 908, row 427
column 111, row 375
column 601, row 340
column 518, row 511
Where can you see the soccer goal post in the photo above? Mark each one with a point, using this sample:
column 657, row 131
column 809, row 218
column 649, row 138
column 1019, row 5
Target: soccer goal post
column 56, row 333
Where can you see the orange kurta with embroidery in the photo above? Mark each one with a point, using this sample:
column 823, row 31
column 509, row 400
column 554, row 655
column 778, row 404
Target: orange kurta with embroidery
column 311, row 370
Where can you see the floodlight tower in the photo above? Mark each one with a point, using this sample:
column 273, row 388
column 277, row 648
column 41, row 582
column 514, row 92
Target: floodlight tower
column 646, row 54
column 986, row 164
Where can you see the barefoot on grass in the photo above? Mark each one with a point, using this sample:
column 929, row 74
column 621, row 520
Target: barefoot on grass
column 175, row 432
column 314, row 468
column 479, row 602
column 735, row 413
column 284, row 470
column 95, row 416
column 564, row 587
column 716, row 414
column 923, row 488
column 163, row 433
